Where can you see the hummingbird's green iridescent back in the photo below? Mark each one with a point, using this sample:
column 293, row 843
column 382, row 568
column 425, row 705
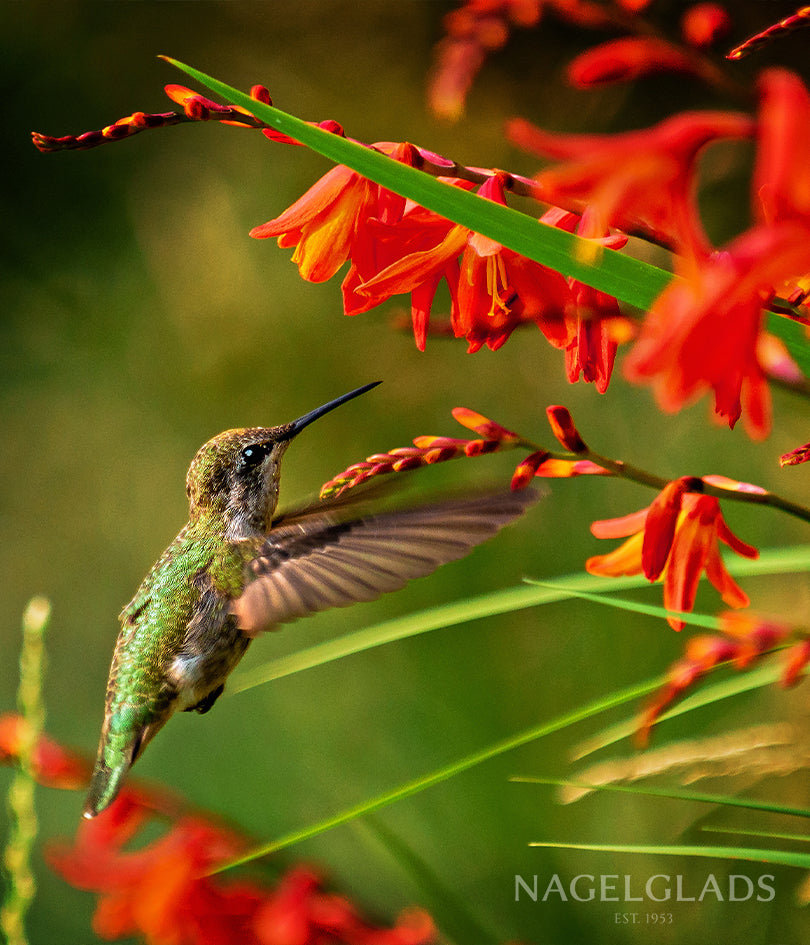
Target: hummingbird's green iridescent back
column 176, row 646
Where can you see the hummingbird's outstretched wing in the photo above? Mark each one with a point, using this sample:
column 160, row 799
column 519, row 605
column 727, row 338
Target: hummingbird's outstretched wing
column 321, row 559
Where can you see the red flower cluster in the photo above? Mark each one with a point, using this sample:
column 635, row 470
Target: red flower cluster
column 396, row 246
column 744, row 639
column 164, row 893
column 705, row 331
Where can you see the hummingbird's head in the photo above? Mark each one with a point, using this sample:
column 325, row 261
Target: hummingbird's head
column 236, row 474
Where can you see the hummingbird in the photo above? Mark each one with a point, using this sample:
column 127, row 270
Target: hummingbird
column 237, row 569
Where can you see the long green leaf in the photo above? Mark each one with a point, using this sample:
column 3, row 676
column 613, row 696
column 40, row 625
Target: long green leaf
column 766, row 834
column 636, row 607
column 780, row 857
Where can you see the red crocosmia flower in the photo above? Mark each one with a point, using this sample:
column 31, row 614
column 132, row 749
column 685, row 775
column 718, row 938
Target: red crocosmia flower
column 595, row 324
column 703, row 332
column 300, row 913
column 324, row 223
column 676, row 539
column 409, row 255
column 498, row 289
column 706, row 332
column 493, row 289
column 638, row 181
column 704, row 24
column 628, row 58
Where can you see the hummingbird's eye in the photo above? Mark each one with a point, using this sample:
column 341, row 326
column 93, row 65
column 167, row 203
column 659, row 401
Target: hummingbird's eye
column 252, row 455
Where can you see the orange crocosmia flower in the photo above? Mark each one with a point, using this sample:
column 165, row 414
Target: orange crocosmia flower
column 676, row 539
column 639, row 181
column 324, row 223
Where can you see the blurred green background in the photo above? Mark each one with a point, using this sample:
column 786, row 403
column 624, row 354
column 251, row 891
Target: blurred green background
column 139, row 319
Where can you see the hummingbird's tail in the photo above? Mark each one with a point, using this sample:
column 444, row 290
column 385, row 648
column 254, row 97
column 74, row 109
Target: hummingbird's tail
column 116, row 755
column 104, row 786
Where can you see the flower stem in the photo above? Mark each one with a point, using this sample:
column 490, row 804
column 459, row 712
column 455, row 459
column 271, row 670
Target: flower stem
column 17, row 856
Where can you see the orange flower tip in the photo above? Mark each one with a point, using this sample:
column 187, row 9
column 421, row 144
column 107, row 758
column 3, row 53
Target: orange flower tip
column 733, row 485
column 796, row 456
column 440, row 454
column 527, row 470
column 46, row 143
column 439, row 442
column 407, row 462
column 521, row 478
column 483, row 426
column 115, row 132
column 562, row 426
column 178, row 93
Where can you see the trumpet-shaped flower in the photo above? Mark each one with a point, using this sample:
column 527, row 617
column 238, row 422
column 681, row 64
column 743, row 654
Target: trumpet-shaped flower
column 324, row 223
column 409, row 255
column 639, row 181
column 676, row 539
column 595, row 324
column 704, row 332
column 494, row 289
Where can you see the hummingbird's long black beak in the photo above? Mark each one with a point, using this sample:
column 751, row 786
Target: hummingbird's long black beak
column 298, row 425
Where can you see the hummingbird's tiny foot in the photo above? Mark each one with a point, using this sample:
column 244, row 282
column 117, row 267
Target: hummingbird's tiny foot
column 204, row 705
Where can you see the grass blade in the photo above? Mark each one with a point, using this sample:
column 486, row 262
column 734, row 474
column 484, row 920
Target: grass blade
column 449, row 771
column 778, row 857
column 724, row 800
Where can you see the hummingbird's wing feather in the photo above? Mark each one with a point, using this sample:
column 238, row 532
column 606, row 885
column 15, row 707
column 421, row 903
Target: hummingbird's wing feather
column 320, row 561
